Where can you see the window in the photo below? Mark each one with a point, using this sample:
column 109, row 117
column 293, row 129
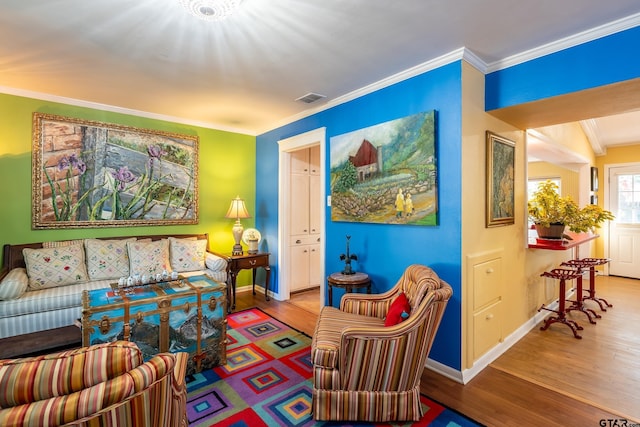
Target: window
column 628, row 199
column 532, row 185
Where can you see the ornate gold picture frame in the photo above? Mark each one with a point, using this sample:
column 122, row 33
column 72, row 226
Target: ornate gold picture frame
column 94, row 174
column 500, row 180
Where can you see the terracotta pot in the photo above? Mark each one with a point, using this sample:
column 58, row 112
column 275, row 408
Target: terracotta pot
column 554, row 231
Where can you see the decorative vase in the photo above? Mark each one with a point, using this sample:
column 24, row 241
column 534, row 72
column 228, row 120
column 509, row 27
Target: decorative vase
column 252, row 246
column 554, row 231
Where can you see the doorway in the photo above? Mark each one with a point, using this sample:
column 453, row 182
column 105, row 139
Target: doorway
column 624, row 231
column 286, row 218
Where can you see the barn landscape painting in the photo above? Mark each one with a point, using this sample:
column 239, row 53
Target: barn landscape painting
column 387, row 173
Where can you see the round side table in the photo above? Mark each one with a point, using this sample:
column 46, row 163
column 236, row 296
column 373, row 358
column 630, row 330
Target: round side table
column 348, row 282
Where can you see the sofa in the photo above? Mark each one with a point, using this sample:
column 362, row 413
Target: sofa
column 105, row 384
column 41, row 284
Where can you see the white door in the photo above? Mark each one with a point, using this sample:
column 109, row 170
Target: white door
column 624, row 231
column 287, row 163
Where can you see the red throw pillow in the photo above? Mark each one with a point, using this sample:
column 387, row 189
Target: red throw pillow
column 398, row 311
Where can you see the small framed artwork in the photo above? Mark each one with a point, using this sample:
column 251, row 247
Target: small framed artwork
column 500, row 180
column 594, row 178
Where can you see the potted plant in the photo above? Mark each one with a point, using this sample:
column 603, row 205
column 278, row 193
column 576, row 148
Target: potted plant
column 551, row 213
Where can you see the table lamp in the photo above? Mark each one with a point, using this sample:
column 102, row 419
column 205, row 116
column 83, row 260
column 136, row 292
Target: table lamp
column 237, row 210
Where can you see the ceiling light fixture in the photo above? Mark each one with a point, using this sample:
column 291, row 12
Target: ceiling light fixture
column 211, row 10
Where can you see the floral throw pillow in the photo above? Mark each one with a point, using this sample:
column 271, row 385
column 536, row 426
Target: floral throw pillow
column 187, row 255
column 107, row 259
column 148, row 257
column 51, row 267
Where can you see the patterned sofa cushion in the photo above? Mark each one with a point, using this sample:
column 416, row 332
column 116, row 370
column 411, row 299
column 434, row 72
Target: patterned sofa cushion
column 27, row 380
column 107, row 259
column 149, row 257
column 52, row 267
column 187, row 254
column 61, row 243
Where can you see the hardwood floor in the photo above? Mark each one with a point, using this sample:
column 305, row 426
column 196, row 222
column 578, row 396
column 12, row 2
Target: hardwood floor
column 548, row 377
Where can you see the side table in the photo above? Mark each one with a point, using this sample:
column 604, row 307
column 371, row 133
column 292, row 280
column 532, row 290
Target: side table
column 348, row 282
column 245, row 261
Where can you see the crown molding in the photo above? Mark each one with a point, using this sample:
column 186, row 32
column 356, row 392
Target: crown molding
column 623, row 24
column 430, row 65
column 475, row 61
column 114, row 109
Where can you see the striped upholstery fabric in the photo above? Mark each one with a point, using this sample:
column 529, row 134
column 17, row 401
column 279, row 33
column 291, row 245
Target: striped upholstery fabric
column 30, row 379
column 364, row 371
column 57, row 298
column 328, row 334
column 150, row 394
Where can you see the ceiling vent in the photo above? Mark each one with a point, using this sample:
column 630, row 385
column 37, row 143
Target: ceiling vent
column 310, row 97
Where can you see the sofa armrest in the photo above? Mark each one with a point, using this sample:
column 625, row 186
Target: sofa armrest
column 214, row 262
column 370, row 346
column 383, row 371
column 144, row 388
column 75, row 370
column 375, row 305
column 13, row 284
column 179, row 390
column 3, row 272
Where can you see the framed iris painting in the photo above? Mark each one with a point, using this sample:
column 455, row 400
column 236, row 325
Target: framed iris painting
column 93, row 174
column 387, row 173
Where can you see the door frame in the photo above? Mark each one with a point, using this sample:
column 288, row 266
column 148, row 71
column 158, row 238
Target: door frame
column 285, row 147
column 607, row 204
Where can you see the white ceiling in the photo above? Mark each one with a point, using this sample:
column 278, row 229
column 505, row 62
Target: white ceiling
column 150, row 57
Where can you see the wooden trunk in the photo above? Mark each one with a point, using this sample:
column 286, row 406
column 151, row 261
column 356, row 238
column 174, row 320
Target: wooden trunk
column 180, row 315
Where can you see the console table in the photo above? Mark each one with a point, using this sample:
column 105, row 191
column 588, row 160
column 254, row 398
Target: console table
column 245, row 261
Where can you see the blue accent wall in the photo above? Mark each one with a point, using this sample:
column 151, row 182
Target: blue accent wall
column 607, row 60
column 384, row 251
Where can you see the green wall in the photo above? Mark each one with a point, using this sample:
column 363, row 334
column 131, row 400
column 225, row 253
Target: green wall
column 226, row 169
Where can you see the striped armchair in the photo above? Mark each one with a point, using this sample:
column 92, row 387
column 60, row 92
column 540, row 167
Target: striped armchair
column 105, row 384
column 365, row 371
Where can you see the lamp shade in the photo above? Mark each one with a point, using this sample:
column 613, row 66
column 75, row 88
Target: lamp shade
column 237, row 209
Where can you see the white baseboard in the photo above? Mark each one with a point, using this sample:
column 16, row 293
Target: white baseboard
column 467, row 375
column 259, row 289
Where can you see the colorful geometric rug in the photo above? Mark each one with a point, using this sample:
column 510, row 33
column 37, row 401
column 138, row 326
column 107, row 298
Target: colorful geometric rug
column 267, row 381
